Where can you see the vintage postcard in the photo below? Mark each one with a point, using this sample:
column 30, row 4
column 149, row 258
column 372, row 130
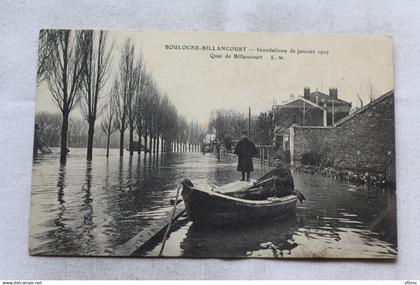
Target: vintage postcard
column 242, row 145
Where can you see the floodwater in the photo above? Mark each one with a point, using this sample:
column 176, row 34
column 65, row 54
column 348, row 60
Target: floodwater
column 84, row 208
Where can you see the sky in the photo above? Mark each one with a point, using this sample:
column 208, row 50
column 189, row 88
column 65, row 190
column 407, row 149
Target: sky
column 198, row 84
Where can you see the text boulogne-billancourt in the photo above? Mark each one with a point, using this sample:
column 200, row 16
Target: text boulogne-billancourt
column 205, row 48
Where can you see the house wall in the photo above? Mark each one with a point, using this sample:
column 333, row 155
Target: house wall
column 293, row 114
column 366, row 140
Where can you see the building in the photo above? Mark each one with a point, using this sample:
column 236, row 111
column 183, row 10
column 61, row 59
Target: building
column 363, row 140
column 313, row 109
column 336, row 108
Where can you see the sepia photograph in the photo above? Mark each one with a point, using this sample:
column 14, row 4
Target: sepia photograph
column 214, row 145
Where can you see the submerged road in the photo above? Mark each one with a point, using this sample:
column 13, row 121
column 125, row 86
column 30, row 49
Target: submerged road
column 92, row 208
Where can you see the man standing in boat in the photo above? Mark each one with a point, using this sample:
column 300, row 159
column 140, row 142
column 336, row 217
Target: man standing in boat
column 245, row 149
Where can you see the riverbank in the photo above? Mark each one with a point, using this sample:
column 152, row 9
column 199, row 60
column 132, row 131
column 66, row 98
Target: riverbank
column 357, row 177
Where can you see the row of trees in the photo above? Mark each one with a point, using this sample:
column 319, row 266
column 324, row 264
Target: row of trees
column 49, row 131
column 77, row 68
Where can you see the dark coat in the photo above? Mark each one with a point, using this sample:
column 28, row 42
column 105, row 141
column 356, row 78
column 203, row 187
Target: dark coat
column 245, row 149
column 281, row 185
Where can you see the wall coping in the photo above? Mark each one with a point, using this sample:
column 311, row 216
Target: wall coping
column 311, row 127
column 366, row 107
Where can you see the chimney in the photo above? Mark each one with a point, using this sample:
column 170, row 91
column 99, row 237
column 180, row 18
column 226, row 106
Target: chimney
column 333, row 93
column 306, row 92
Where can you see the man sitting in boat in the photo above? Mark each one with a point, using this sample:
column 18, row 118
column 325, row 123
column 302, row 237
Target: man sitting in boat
column 278, row 182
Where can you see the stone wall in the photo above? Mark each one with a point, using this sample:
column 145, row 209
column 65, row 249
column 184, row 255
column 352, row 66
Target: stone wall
column 363, row 140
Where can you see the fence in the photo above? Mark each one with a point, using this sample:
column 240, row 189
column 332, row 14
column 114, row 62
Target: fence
column 266, row 155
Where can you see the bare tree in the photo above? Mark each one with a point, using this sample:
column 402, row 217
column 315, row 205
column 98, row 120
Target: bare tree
column 141, row 90
column 169, row 123
column 164, row 121
column 134, row 73
column 49, row 128
column 120, row 114
column 65, row 77
column 108, row 124
column 156, row 120
column 78, row 132
column 139, row 115
column 48, row 41
column 124, row 85
column 147, row 114
column 96, row 68
column 264, row 128
column 372, row 96
column 360, row 100
column 228, row 124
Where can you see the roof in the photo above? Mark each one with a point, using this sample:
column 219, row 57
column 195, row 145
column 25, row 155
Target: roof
column 304, row 100
column 368, row 106
column 326, row 95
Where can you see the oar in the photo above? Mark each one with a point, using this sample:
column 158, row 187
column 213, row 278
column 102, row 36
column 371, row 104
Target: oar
column 256, row 184
column 262, row 181
column 170, row 222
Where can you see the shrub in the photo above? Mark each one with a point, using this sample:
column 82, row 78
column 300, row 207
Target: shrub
column 317, row 158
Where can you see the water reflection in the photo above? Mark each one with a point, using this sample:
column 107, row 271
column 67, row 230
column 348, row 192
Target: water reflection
column 89, row 208
column 237, row 241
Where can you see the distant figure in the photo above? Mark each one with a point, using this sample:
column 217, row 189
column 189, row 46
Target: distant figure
column 245, row 149
column 281, row 183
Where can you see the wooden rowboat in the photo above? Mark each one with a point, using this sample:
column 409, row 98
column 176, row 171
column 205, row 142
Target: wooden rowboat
column 224, row 205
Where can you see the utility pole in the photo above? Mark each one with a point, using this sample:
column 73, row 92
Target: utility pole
column 249, row 122
column 273, row 121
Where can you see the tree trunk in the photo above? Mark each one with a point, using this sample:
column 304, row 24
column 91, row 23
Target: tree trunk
column 64, row 131
column 145, row 142
column 121, row 143
column 90, row 139
column 107, row 144
column 154, row 145
column 157, row 145
column 131, row 140
column 139, row 149
column 150, row 144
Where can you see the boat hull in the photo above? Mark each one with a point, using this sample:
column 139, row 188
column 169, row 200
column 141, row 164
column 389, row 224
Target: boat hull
column 210, row 207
